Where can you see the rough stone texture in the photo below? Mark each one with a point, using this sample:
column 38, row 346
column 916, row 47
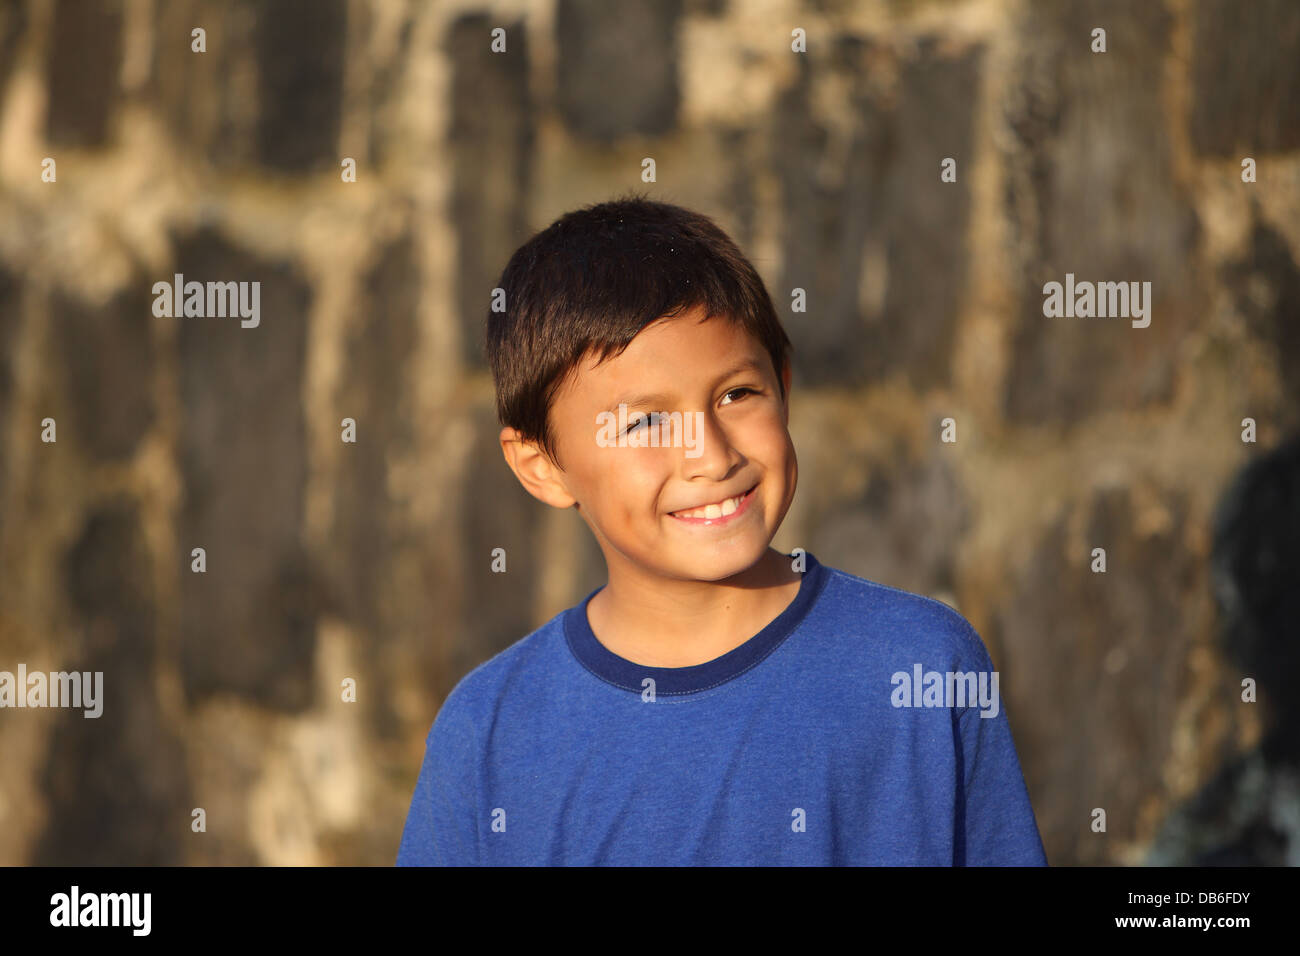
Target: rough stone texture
column 208, row 99
column 115, row 785
column 738, row 147
column 108, row 369
column 823, row 233
column 368, row 530
column 1093, row 192
column 1245, row 84
column 379, row 352
column 268, row 89
column 497, row 513
column 300, row 82
column 1100, row 659
column 13, row 21
column 617, row 68
column 926, row 219
column 384, row 79
column 85, row 57
column 248, row 622
column 11, row 317
column 900, row 532
column 1266, row 289
column 706, row 8
column 492, row 152
column 887, row 198
column 10, row 321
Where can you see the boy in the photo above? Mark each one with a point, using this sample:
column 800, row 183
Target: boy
column 717, row 702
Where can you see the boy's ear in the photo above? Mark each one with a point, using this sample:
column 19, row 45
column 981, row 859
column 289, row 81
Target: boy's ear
column 540, row 476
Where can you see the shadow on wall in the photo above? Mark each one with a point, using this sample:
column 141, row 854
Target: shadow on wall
column 1249, row 813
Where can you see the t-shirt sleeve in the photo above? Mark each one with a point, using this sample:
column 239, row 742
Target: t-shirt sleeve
column 995, row 822
column 442, row 824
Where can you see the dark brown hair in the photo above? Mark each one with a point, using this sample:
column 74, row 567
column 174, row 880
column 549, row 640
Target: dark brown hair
column 595, row 278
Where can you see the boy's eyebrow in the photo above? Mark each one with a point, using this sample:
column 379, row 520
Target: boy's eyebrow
column 745, row 365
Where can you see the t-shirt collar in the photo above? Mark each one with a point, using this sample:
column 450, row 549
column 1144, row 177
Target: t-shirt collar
column 621, row 672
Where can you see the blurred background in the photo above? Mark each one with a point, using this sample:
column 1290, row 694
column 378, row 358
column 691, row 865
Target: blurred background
column 370, row 560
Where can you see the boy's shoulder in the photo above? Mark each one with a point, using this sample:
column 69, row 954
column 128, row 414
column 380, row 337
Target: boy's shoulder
column 531, row 658
column 888, row 618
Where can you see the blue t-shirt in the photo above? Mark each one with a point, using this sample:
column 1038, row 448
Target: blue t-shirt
column 850, row 730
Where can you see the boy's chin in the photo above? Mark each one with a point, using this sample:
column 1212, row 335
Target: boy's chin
column 704, row 563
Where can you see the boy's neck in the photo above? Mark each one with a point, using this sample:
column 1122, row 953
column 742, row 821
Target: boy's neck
column 682, row 624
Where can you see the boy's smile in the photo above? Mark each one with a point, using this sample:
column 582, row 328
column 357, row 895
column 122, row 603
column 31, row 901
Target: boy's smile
column 673, row 525
column 719, row 512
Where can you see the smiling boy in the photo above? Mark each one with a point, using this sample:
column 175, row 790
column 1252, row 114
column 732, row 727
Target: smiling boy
column 717, row 702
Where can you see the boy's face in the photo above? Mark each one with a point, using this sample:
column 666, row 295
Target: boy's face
column 739, row 443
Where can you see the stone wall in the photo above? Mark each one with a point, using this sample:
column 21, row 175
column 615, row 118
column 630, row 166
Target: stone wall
column 328, row 560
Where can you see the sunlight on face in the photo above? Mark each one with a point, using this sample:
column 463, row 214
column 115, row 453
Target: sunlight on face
column 628, row 494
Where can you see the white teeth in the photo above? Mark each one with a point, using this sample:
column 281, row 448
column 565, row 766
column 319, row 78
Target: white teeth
column 727, row 507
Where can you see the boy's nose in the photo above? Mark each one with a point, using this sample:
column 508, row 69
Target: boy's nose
column 707, row 451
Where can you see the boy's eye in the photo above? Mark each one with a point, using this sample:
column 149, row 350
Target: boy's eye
column 655, row 416
column 641, row 421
